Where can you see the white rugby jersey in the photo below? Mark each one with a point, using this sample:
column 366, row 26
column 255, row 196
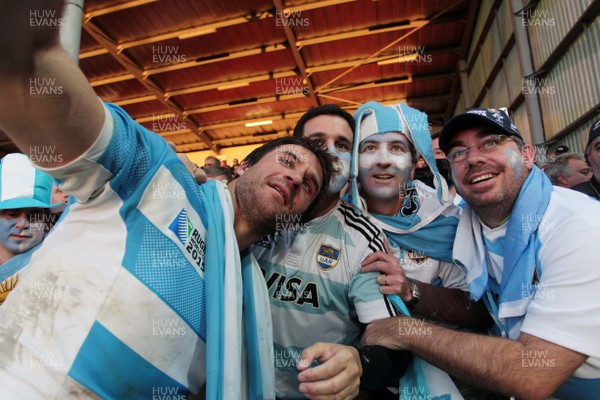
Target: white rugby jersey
column 113, row 303
column 316, row 289
column 565, row 307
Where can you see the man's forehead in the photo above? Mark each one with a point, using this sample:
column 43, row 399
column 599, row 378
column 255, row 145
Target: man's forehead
column 477, row 132
column 327, row 126
column 387, row 137
column 577, row 162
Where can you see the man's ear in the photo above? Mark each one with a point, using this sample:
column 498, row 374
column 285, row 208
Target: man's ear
column 562, row 181
column 242, row 168
column 412, row 172
column 528, row 155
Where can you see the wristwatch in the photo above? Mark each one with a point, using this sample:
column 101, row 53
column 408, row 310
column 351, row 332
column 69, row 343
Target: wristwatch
column 416, row 295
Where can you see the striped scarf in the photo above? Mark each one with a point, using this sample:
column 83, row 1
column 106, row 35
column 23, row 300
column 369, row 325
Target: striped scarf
column 239, row 343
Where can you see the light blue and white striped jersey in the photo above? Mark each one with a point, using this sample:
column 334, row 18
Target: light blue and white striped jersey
column 317, row 291
column 113, row 304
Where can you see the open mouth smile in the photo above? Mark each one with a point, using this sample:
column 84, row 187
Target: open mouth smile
column 481, row 178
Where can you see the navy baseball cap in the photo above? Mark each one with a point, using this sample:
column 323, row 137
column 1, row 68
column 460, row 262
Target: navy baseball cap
column 476, row 117
column 594, row 132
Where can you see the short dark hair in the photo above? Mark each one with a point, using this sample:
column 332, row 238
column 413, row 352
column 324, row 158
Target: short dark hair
column 212, row 171
column 325, row 109
column 212, row 158
column 325, row 159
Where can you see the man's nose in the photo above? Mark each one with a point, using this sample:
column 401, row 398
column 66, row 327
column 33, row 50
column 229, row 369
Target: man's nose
column 22, row 221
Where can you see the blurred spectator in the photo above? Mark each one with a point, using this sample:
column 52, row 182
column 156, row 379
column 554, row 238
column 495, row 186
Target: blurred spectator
column 25, row 198
column 424, row 174
column 211, row 161
column 568, row 170
column 59, row 196
column 197, row 172
column 218, row 173
column 438, row 154
column 592, row 155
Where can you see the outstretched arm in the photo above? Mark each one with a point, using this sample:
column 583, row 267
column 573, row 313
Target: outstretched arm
column 46, row 103
column 530, row 367
column 444, row 304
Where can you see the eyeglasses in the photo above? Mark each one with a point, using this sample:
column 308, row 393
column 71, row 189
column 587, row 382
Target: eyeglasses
column 485, row 145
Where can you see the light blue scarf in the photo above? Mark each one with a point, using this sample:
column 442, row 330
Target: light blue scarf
column 237, row 311
column 427, row 220
column 520, row 245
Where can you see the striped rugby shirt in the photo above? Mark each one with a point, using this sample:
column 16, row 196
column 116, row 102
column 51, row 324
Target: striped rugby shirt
column 316, row 289
column 113, row 303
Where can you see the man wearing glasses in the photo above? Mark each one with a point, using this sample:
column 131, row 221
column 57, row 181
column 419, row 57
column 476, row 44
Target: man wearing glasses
column 529, row 251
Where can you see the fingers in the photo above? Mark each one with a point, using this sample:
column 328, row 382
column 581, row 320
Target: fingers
column 386, row 246
column 378, row 255
column 382, row 279
column 338, row 375
column 381, row 262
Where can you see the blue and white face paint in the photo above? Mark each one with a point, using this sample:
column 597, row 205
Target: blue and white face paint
column 342, row 175
column 21, row 229
column 385, row 165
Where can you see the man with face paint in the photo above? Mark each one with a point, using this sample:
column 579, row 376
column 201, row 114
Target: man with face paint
column 25, row 197
column 312, row 270
column 530, row 252
column 420, row 221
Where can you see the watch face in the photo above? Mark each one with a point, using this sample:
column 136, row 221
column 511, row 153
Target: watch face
column 416, row 293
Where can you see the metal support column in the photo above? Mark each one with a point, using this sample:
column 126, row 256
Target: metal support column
column 532, row 103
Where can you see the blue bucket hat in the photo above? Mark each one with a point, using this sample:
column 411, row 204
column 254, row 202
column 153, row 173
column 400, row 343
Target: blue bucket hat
column 375, row 118
column 22, row 185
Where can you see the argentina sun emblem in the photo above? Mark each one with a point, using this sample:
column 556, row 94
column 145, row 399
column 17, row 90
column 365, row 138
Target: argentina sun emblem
column 328, row 257
column 417, row 257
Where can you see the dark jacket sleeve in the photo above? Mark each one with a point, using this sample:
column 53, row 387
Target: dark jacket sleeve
column 382, row 367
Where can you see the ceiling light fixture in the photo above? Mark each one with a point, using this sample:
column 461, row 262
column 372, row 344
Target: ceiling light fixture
column 233, row 85
column 403, row 58
column 196, row 32
column 259, row 123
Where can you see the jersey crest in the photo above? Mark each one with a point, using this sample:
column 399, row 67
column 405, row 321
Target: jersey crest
column 328, row 257
column 417, row 257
